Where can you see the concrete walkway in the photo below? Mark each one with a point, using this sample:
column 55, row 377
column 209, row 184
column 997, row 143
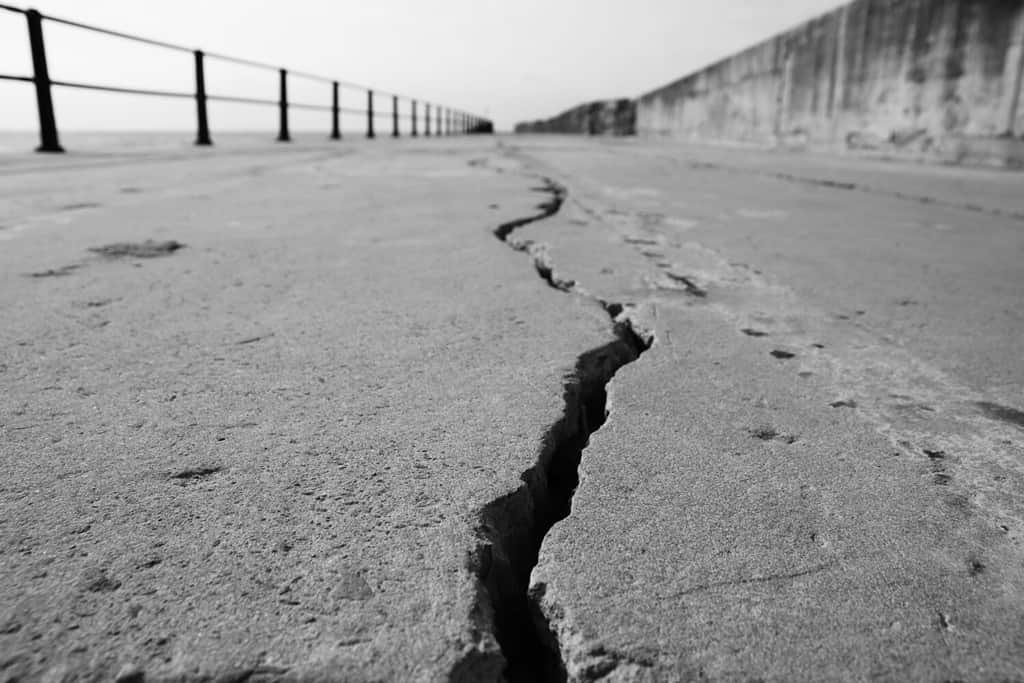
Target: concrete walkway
column 816, row 472
column 328, row 424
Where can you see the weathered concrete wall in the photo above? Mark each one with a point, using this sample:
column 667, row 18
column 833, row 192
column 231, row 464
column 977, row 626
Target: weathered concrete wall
column 926, row 78
column 604, row 117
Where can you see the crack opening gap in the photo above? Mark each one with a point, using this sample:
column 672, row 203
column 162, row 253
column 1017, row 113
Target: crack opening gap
column 548, row 208
column 515, row 525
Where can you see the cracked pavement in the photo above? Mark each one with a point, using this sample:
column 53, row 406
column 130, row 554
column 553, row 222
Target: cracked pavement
column 696, row 413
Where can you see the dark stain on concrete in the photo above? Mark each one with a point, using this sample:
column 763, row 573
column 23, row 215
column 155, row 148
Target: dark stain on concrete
column 196, row 473
column 147, row 249
column 995, row 411
column 56, row 272
column 79, row 206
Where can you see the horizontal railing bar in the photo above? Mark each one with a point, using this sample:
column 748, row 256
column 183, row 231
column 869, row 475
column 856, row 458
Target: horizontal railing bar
column 300, row 105
column 270, row 67
column 212, row 55
column 241, row 100
column 118, row 34
column 218, row 98
column 244, row 62
column 216, row 55
column 454, row 120
column 128, row 91
column 317, row 107
column 323, row 79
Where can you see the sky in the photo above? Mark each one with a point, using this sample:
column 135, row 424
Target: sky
column 508, row 60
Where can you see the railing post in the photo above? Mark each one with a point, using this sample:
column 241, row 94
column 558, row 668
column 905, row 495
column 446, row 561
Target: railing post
column 48, row 140
column 335, row 112
column 426, row 120
column 369, row 114
column 414, row 133
column 394, row 116
column 282, row 135
column 202, row 124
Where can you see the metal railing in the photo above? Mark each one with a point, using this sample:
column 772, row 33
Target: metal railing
column 445, row 120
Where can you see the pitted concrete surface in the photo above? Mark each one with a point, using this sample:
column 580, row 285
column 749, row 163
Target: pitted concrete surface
column 326, row 424
column 264, row 454
column 805, row 477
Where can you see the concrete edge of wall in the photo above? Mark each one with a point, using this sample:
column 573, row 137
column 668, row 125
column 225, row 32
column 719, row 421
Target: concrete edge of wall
column 918, row 80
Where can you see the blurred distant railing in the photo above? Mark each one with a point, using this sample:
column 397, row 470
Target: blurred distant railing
column 446, row 121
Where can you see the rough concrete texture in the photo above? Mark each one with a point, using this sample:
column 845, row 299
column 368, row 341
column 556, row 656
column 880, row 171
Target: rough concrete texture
column 803, row 478
column 550, row 409
column 929, row 79
column 603, row 117
column 264, row 454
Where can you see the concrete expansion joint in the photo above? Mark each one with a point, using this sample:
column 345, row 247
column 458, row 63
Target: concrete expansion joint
column 513, row 527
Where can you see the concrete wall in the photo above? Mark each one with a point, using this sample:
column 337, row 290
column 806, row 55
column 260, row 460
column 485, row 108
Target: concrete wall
column 925, row 78
column 604, row 117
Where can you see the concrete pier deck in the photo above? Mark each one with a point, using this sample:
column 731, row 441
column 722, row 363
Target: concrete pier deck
column 527, row 408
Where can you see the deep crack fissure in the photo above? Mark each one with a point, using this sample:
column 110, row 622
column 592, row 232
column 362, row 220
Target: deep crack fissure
column 512, row 528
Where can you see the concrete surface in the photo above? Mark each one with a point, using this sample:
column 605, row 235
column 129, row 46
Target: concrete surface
column 267, row 451
column 930, row 79
column 338, row 434
column 806, row 477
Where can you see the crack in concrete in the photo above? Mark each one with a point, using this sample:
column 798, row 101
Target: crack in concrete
column 512, row 527
column 548, row 208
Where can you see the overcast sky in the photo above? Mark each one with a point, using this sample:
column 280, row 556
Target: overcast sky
column 507, row 59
